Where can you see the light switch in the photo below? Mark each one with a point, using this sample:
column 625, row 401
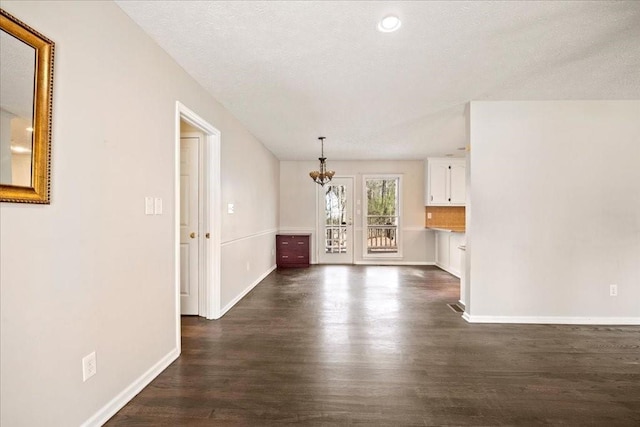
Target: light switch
column 157, row 208
column 230, row 208
column 148, row 205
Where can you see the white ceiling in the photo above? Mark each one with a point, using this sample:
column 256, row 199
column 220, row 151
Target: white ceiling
column 291, row 71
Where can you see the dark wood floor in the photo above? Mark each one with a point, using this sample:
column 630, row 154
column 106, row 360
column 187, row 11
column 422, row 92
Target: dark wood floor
column 334, row 345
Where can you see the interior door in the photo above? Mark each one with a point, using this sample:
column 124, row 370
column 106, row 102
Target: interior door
column 189, row 238
column 335, row 222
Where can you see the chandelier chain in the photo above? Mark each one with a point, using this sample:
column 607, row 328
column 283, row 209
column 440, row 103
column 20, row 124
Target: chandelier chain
column 322, row 176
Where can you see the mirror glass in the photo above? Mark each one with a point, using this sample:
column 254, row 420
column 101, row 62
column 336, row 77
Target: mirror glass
column 17, row 77
column 26, row 99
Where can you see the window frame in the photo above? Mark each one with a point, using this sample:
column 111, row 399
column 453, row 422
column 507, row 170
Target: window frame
column 365, row 214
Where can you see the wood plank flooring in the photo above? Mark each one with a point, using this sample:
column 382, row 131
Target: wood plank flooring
column 378, row 346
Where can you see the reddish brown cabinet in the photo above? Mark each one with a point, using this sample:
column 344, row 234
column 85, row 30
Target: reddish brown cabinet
column 292, row 250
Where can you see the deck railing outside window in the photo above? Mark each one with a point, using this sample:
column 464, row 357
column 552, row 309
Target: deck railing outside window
column 382, row 234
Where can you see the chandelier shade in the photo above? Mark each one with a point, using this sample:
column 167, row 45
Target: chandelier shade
column 323, row 175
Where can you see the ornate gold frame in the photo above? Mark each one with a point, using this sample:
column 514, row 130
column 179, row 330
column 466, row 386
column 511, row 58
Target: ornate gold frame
column 42, row 106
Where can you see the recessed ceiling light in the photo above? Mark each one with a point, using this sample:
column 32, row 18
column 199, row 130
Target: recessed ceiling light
column 389, row 23
column 19, row 150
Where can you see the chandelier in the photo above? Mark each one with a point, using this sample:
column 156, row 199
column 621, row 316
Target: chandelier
column 322, row 176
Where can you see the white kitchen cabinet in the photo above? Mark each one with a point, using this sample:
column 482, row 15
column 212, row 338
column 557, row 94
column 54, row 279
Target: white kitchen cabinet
column 448, row 254
column 442, row 249
column 437, row 176
column 445, row 182
column 458, row 182
column 463, row 274
column 455, row 254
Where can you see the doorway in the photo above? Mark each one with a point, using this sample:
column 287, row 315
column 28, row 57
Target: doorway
column 197, row 216
column 335, row 222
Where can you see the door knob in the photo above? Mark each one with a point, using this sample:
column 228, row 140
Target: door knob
column 206, row 235
column 192, row 235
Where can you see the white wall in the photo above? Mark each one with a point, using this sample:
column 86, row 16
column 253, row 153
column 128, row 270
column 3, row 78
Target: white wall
column 91, row 271
column 250, row 181
column 556, row 211
column 298, row 204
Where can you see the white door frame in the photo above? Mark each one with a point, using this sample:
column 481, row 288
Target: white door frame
column 209, row 257
column 320, row 228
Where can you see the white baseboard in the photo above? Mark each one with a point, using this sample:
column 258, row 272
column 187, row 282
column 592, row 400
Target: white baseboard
column 553, row 320
column 245, row 292
column 447, row 269
column 118, row 402
column 383, row 262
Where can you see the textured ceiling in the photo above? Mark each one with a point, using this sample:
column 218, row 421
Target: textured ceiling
column 292, row 71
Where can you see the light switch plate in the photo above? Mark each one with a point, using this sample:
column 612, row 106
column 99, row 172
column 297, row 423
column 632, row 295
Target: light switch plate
column 157, row 206
column 148, row 205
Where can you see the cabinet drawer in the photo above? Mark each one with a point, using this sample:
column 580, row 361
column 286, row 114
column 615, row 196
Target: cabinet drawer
column 292, row 250
column 293, row 244
column 294, row 258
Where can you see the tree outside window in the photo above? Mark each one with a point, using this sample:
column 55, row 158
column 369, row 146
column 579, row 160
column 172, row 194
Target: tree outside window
column 382, row 216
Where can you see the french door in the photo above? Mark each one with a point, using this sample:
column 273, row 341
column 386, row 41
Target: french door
column 335, row 222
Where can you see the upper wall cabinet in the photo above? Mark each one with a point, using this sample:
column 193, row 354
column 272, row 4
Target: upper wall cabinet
column 445, row 182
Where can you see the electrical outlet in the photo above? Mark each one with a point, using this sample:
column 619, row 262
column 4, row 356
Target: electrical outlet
column 230, row 208
column 89, row 366
column 613, row 290
column 428, row 215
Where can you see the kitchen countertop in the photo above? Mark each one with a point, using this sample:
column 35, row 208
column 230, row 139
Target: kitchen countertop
column 448, row 229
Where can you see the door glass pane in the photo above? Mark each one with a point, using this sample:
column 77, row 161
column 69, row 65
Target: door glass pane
column 335, row 219
column 382, row 215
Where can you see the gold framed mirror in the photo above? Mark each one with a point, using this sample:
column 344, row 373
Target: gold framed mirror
column 26, row 90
